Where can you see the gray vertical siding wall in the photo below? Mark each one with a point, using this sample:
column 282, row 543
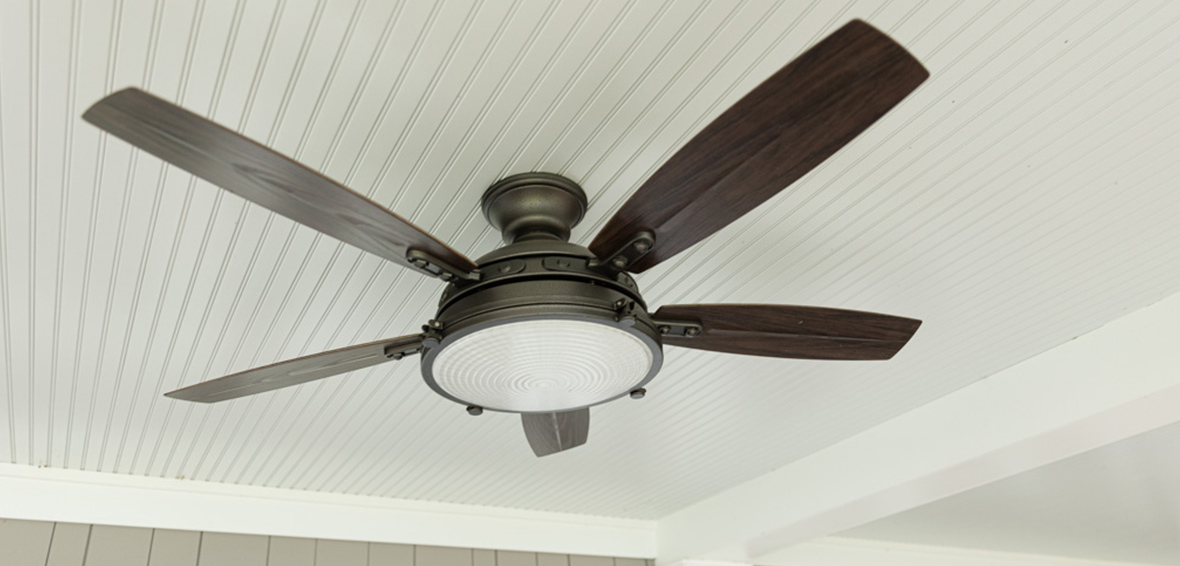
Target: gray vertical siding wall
column 39, row 543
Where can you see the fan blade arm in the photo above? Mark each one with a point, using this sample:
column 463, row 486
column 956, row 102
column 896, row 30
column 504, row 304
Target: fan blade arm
column 795, row 120
column 271, row 180
column 550, row 433
column 785, row 331
column 299, row 370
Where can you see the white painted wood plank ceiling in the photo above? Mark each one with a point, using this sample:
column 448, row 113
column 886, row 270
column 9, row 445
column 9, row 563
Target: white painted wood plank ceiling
column 1024, row 195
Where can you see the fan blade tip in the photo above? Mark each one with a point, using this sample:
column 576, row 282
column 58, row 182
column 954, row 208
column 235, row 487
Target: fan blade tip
column 92, row 114
column 132, row 91
column 177, row 393
column 127, row 92
column 860, row 27
column 921, row 73
column 192, row 394
column 180, row 396
column 859, row 23
column 913, row 326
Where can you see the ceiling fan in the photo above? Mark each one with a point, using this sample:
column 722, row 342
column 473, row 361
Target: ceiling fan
column 544, row 327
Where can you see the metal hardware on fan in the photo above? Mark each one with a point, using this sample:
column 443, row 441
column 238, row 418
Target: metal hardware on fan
column 430, row 338
column 628, row 313
column 434, row 267
column 636, row 247
column 394, row 352
column 562, row 263
column 678, row 328
column 524, row 316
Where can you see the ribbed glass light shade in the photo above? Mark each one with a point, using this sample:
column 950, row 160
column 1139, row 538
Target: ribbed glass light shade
column 542, row 365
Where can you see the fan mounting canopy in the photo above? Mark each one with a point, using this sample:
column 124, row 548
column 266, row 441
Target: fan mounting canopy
column 534, row 205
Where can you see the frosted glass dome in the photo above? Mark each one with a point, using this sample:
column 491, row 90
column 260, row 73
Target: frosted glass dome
column 542, row 365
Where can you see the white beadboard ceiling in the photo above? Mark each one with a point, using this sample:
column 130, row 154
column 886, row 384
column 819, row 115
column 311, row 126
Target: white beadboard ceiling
column 1026, row 194
column 1120, row 502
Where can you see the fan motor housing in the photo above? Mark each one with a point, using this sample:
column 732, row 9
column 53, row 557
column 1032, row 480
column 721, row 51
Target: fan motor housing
column 539, row 276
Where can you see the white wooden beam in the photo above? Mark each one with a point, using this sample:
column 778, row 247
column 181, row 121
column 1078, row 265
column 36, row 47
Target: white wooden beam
column 76, row 496
column 833, row 551
column 1113, row 383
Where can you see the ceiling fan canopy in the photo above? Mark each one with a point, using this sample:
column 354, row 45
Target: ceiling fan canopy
column 545, row 327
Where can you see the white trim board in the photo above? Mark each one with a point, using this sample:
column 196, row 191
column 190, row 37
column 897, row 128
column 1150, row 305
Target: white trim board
column 838, row 551
column 136, row 501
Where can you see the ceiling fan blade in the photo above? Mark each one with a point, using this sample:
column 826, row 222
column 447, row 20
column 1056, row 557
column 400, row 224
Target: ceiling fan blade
column 777, row 133
column 785, row 331
column 550, row 433
column 267, row 178
column 298, row 370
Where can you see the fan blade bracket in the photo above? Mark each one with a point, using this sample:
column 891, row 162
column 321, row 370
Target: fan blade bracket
column 399, row 351
column 679, row 328
column 430, row 265
column 630, row 252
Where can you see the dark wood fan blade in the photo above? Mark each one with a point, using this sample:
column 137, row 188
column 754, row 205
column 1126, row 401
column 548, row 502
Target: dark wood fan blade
column 298, row 370
column 267, row 178
column 777, row 133
column 785, row 331
column 550, row 433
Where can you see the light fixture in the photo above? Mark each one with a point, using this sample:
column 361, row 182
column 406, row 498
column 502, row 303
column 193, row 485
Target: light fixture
column 543, row 365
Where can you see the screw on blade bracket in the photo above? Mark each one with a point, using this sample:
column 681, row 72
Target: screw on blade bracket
column 399, row 351
column 435, row 267
column 679, row 328
column 635, row 248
